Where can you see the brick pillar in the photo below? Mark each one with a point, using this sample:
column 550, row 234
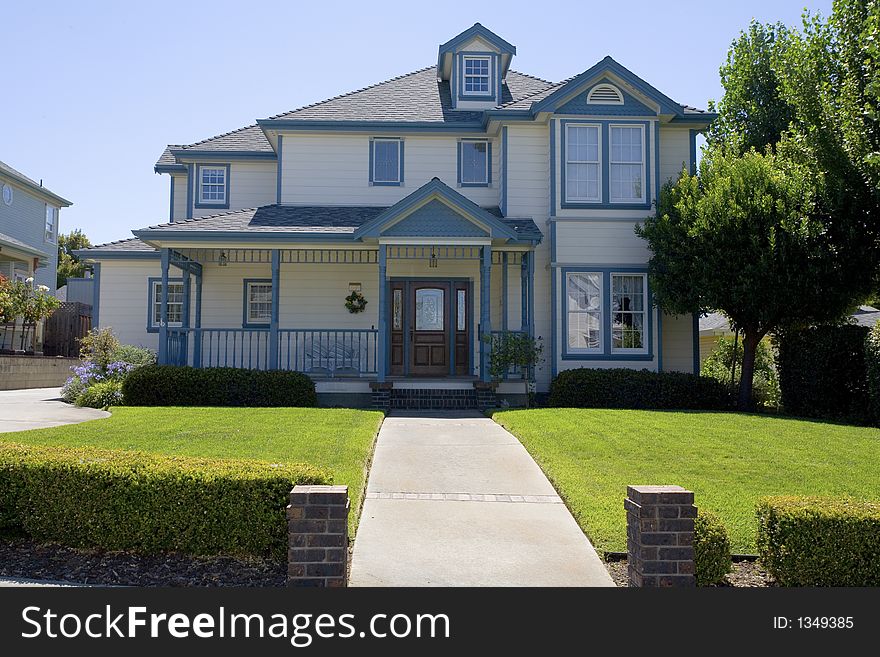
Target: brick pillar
column 660, row 535
column 317, row 523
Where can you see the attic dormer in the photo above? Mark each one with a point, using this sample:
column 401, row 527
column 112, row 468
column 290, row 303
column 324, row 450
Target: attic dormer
column 475, row 63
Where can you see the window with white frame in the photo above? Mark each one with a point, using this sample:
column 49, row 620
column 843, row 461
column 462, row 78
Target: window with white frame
column 175, row 304
column 258, row 300
column 474, row 162
column 582, row 176
column 386, row 160
column 51, row 223
column 476, row 76
column 212, row 185
column 584, row 310
column 629, row 307
column 627, row 164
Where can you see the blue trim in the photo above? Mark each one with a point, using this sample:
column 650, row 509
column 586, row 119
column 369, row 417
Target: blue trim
column 384, row 333
column 436, row 187
column 373, row 126
column 476, row 30
column 488, row 182
column 659, row 338
column 631, row 106
column 278, row 170
column 171, row 204
column 606, row 354
column 556, row 306
column 190, row 175
column 693, row 150
column 655, row 126
column 524, row 293
column 504, row 300
column 704, row 118
column 383, row 183
column 222, row 156
column 163, row 316
column 96, row 294
column 199, row 204
column 276, row 302
column 503, row 170
column 485, row 310
column 494, row 77
column 151, row 299
column 604, row 201
column 553, row 173
column 97, row 254
column 696, row 337
column 170, row 168
column 244, row 303
column 531, row 287
column 197, row 341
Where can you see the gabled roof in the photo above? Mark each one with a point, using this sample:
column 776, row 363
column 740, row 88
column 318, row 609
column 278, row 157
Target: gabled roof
column 32, row 185
column 483, row 33
column 436, row 189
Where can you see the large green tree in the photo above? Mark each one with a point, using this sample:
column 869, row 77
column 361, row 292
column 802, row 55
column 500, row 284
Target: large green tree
column 753, row 112
column 741, row 237
column 69, row 265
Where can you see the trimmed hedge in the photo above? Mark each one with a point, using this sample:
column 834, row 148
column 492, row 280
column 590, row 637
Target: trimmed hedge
column 169, row 385
column 625, row 388
column 711, row 549
column 121, row 500
column 809, row 541
column 822, row 372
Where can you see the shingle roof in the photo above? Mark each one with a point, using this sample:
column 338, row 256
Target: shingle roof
column 308, row 219
column 249, row 138
column 132, row 244
column 19, row 177
column 416, row 96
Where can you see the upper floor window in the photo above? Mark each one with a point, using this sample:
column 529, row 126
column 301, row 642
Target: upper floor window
column 582, row 162
column 476, row 76
column 51, row 223
column 627, row 166
column 474, row 164
column 213, row 185
column 386, row 161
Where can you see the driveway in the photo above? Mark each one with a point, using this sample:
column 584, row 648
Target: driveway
column 39, row 408
column 456, row 500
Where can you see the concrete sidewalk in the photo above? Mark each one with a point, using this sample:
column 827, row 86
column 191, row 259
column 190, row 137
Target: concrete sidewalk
column 456, row 500
column 39, row 408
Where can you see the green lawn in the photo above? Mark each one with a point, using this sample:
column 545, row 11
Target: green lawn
column 337, row 440
column 729, row 460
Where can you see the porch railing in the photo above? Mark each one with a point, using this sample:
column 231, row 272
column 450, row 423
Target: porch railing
column 319, row 352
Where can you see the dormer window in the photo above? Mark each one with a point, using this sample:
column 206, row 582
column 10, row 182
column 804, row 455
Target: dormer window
column 605, row 94
column 213, row 186
column 476, row 76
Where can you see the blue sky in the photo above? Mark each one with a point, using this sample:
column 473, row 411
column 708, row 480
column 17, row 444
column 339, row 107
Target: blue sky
column 93, row 91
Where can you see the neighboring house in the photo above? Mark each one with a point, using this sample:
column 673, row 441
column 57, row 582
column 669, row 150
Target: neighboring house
column 29, row 215
column 714, row 326
column 461, row 199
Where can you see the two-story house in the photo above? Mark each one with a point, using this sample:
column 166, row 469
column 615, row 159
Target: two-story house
column 459, row 200
column 28, row 228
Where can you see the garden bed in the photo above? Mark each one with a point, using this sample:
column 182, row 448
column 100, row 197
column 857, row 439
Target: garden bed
column 745, row 574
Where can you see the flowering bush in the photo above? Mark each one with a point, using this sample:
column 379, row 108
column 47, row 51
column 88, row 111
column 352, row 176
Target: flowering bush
column 22, row 300
column 103, row 394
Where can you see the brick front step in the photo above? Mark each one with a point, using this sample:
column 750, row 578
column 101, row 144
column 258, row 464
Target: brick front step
column 433, row 398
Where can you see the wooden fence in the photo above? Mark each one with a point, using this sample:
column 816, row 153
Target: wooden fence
column 65, row 327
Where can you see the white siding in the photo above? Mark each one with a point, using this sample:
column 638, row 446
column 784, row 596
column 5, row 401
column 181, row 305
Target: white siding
column 598, row 242
column 528, row 172
column 180, row 210
column 251, row 184
column 123, row 304
column 326, row 169
column 678, row 343
column 675, row 152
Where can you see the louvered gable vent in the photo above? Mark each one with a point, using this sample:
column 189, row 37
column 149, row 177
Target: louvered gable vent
column 605, row 94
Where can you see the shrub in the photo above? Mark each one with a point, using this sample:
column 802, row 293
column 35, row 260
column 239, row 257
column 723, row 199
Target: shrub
column 765, row 384
column 121, row 500
column 137, row 356
column 102, row 394
column 711, row 549
column 72, row 389
column 872, row 372
column 169, row 385
column 809, row 541
column 822, row 372
column 624, row 388
column 98, row 347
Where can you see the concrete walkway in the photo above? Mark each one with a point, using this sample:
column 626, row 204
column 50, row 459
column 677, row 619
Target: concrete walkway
column 39, row 408
column 455, row 500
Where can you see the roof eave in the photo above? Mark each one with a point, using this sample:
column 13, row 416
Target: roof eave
column 369, row 126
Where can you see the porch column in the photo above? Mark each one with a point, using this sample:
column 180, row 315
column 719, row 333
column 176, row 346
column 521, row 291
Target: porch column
column 197, row 323
column 504, row 291
column 524, row 291
column 485, row 320
column 165, row 259
column 382, row 338
column 184, row 323
column 531, row 294
column 273, row 320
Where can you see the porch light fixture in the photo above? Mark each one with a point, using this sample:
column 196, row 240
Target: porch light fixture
column 433, row 261
column 223, row 260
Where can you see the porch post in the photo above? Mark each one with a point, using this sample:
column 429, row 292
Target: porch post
column 485, row 320
column 532, row 294
column 165, row 259
column 381, row 339
column 504, row 291
column 273, row 320
column 197, row 324
column 524, row 291
column 184, row 343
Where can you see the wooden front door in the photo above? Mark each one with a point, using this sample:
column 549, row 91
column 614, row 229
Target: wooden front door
column 428, row 319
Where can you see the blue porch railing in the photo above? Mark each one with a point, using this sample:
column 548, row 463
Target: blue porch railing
column 319, row 352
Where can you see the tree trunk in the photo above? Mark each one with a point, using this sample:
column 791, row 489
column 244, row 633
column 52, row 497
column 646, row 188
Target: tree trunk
column 747, row 373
